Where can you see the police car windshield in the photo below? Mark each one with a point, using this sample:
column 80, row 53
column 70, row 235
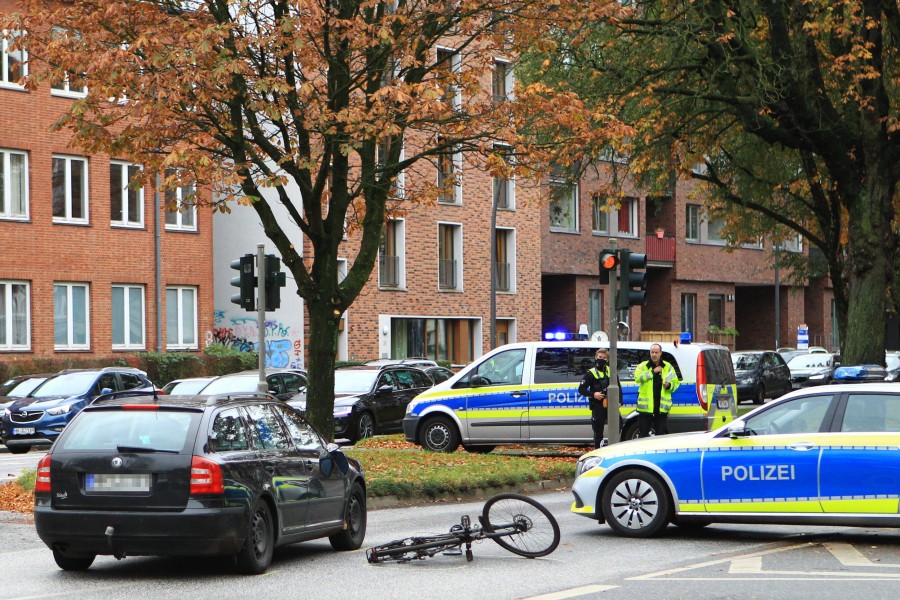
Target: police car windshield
column 744, row 361
column 70, row 384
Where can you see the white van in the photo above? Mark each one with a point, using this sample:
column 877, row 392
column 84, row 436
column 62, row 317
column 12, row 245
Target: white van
column 528, row 393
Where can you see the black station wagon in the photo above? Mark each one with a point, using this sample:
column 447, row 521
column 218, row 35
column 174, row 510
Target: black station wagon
column 194, row 475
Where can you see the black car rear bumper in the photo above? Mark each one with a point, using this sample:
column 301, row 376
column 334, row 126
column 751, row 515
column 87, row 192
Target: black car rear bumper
column 192, row 532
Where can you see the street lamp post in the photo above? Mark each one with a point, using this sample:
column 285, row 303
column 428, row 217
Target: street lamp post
column 776, row 249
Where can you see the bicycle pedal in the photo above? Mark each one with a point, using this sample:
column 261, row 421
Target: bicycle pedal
column 452, row 552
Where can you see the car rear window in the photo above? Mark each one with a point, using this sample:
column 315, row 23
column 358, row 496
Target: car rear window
column 98, row 430
column 719, row 369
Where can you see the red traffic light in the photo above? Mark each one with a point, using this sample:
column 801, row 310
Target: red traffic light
column 608, row 260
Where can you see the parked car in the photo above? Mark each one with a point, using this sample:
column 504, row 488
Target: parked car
column 819, row 456
column 892, row 366
column 233, row 475
column 371, row 400
column 812, row 369
column 38, row 418
column 186, row 387
column 788, row 353
column 422, row 363
column 760, row 374
column 288, row 385
column 439, row 374
column 19, row 387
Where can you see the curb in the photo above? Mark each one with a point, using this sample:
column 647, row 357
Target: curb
column 534, row 487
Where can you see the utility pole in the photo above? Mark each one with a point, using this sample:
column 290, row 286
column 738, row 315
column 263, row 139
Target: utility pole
column 262, row 387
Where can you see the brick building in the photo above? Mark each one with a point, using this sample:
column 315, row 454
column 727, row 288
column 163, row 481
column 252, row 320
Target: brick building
column 80, row 276
column 693, row 284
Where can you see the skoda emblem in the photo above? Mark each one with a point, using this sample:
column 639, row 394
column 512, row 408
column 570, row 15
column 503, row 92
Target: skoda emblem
column 116, row 462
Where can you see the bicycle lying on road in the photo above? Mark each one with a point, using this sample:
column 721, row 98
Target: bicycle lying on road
column 518, row 523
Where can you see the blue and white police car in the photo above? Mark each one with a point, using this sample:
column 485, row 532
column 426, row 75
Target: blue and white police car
column 828, row 455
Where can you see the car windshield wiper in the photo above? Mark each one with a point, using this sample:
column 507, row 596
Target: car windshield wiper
column 144, row 449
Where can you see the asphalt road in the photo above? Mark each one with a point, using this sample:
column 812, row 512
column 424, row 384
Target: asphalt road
column 716, row 562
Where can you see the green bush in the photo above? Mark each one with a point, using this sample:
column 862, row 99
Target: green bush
column 26, row 479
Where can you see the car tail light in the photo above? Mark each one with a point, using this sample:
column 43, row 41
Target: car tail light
column 42, row 481
column 140, row 407
column 206, row 477
column 702, row 391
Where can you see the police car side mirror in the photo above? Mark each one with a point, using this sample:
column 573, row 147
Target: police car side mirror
column 738, row 429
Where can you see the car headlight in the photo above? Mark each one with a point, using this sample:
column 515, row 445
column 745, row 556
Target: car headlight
column 818, row 376
column 59, row 410
column 4, row 412
column 746, row 381
column 341, row 412
column 409, row 407
column 587, row 464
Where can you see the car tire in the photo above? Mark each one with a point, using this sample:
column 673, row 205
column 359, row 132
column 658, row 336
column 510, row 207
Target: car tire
column 760, row 397
column 365, row 427
column 439, row 434
column 636, row 503
column 631, row 431
column 73, row 563
column 256, row 554
column 354, row 529
column 480, row 449
column 18, row 449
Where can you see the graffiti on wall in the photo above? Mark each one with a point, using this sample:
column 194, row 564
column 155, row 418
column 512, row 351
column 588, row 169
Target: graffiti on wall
column 284, row 342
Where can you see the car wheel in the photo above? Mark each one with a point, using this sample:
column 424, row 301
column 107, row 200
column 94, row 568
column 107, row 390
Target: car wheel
column 478, row 449
column 255, row 556
column 636, row 503
column 760, row 394
column 354, row 532
column 73, row 563
column 631, row 431
column 365, row 426
column 439, row 435
column 18, row 449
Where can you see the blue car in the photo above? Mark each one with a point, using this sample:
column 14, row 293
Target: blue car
column 38, row 418
column 826, row 455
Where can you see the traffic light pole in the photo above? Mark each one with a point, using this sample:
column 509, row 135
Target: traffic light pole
column 262, row 387
column 612, row 393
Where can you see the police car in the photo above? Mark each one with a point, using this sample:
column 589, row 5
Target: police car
column 828, row 455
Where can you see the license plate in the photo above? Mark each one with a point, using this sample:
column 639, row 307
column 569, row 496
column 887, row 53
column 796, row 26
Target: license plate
column 117, row 482
column 23, row 430
column 723, row 403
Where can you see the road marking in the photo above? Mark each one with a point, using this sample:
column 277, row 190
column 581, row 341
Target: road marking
column 761, row 553
column 742, row 566
column 573, row 593
column 851, row 557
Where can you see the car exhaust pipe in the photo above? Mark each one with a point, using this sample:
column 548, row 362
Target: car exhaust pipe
column 110, row 533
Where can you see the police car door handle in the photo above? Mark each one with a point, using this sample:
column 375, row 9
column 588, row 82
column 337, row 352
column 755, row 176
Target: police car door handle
column 802, row 446
column 517, row 394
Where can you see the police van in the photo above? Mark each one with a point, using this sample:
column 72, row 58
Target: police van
column 528, row 393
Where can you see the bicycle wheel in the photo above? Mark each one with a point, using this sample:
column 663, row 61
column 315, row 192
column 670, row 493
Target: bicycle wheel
column 520, row 524
column 416, row 548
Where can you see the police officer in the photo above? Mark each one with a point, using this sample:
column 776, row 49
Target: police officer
column 656, row 380
column 594, row 385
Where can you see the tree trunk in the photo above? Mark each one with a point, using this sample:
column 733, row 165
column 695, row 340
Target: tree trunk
column 322, row 343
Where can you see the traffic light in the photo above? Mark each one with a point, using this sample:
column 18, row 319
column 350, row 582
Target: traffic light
column 275, row 280
column 246, row 281
column 632, row 281
column 608, row 262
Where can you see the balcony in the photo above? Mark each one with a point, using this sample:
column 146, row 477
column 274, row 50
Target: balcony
column 660, row 251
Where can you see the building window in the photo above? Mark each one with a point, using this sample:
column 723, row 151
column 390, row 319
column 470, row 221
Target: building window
column 126, row 202
column 181, row 318
column 13, row 63
column 689, row 313
column 449, row 176
column 127, row 317
column 595, row 311
column 181, row 210
column 502, row 82
column 66, row 87
column 714, row 228
column 70, row 189
column 391, row 263
column 15, row 321
column 504, row 262
column 692, row 222
column 434, row 338
column 627, row 217
column 13, row 185
column 505, row 187
column 599, row 217
column 447, row 71
column 71, row 316
column 563, row 207
column 717, row 310
column 792, row 244
column 449, row 257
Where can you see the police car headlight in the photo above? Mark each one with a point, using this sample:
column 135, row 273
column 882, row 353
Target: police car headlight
column 409, row 407
column 587, row 464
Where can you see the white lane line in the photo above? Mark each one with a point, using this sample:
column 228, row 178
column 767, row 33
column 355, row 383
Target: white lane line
column 851, row 557
column 574, row 592
column 670, row 572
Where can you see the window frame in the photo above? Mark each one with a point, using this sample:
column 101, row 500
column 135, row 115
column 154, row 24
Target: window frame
column 505, row 185
column 5, row 82
column 67, row 219
column 453, row 159
column 70, row 344
column 507, row 79
column 6, row 201
column 397, row 239
column 692, row 223
column 443, row 53
column 456, row 254
column 571, row 195
column 9, row 321
column 179, row 197
column 179, row 343
column 124, row 168
column 128, row 289
column 633, row 217
column 508, row 252
column 689, row 313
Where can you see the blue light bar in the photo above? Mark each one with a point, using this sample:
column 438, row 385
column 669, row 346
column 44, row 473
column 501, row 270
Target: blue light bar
column 685, row 337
